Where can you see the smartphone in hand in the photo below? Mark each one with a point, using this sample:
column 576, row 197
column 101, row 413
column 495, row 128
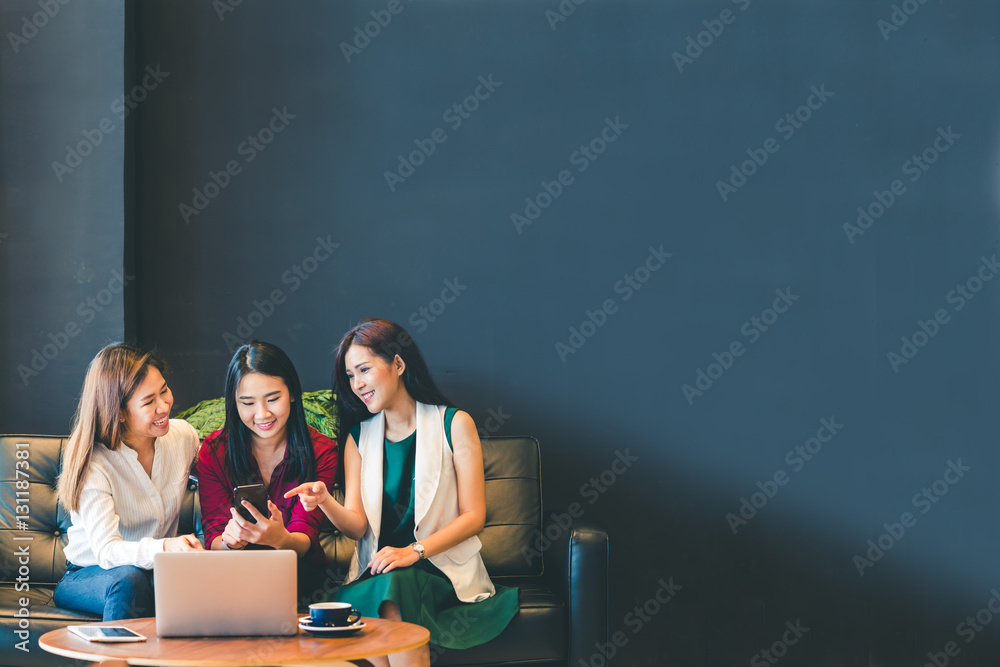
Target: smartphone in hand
column 256, row 494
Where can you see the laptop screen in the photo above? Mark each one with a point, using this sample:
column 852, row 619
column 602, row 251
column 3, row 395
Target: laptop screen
column 223, row 593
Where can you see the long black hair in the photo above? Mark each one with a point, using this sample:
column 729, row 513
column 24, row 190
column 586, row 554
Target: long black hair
column 385, row 339
column 266, row 359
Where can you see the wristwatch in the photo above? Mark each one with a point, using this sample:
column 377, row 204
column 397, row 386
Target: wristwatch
column 419, row 548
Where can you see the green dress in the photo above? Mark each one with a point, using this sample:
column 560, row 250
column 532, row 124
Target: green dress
column 423, row 593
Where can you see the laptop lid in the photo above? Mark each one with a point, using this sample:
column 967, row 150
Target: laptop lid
column 221, row 593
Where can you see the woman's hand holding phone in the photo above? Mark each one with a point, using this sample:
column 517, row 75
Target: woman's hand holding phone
column 269, row 531
column 256, row 494
column 230, row 539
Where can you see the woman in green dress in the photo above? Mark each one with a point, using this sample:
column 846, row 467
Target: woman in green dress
column 414, row 497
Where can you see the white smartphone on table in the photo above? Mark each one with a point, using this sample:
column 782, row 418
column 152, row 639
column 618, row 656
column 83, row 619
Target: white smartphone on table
column 107, row 633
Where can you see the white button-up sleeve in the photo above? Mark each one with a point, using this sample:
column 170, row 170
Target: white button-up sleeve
column 99, row 519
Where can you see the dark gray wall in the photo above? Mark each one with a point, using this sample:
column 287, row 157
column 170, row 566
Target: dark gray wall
column 61, row 149
column 495, row 346
column 876, row 101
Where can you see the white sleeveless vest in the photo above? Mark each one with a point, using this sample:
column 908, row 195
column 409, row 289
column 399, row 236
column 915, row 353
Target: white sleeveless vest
column 435, row 504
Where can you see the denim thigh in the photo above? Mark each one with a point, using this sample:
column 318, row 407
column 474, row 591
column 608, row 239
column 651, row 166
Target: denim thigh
column 120, row 592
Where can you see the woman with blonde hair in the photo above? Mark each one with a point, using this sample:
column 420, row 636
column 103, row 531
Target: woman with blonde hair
column 124, row 476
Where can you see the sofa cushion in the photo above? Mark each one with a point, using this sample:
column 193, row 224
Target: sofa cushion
column 40, row 606
column 513, row 506
column 536, row 635
column 29, row 465
column 42, row 617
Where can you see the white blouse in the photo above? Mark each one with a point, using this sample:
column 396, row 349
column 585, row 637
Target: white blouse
column 125, row 514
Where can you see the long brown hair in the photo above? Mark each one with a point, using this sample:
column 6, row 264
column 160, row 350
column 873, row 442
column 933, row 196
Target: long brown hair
column 112, row 377
column 385, row 339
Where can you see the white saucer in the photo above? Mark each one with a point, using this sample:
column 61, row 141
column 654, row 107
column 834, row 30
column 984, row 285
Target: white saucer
column 305, row 623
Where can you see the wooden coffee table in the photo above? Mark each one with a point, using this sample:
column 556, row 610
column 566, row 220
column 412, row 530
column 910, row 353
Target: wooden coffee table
column 379, row 637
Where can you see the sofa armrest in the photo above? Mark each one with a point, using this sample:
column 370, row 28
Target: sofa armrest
column 576, row 569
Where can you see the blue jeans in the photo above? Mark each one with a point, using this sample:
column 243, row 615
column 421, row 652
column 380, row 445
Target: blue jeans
column 121, row 592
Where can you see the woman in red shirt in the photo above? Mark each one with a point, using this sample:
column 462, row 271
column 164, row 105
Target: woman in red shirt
column 266, row 440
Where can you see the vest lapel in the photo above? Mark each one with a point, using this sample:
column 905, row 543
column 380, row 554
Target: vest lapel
column 372, row 443
column 430, row 443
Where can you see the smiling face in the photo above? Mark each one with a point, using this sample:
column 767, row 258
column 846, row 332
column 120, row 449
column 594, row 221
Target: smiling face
column 264, row 405
column 147, row 413
column 374, row 380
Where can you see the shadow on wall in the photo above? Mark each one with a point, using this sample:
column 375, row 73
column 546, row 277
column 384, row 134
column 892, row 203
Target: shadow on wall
column 788, row 585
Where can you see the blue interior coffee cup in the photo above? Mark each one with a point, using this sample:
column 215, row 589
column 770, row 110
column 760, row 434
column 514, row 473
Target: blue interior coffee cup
column 333, row 614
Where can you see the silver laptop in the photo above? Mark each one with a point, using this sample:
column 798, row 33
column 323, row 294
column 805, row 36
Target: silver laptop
column 221, row 593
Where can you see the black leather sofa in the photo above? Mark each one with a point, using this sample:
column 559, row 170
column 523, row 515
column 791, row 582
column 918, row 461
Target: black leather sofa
column 560, row 569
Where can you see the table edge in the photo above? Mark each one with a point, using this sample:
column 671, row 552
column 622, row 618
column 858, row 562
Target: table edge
column 201, row 662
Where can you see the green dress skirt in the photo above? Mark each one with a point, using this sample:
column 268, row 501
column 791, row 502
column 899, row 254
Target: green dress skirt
column 423, row 593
